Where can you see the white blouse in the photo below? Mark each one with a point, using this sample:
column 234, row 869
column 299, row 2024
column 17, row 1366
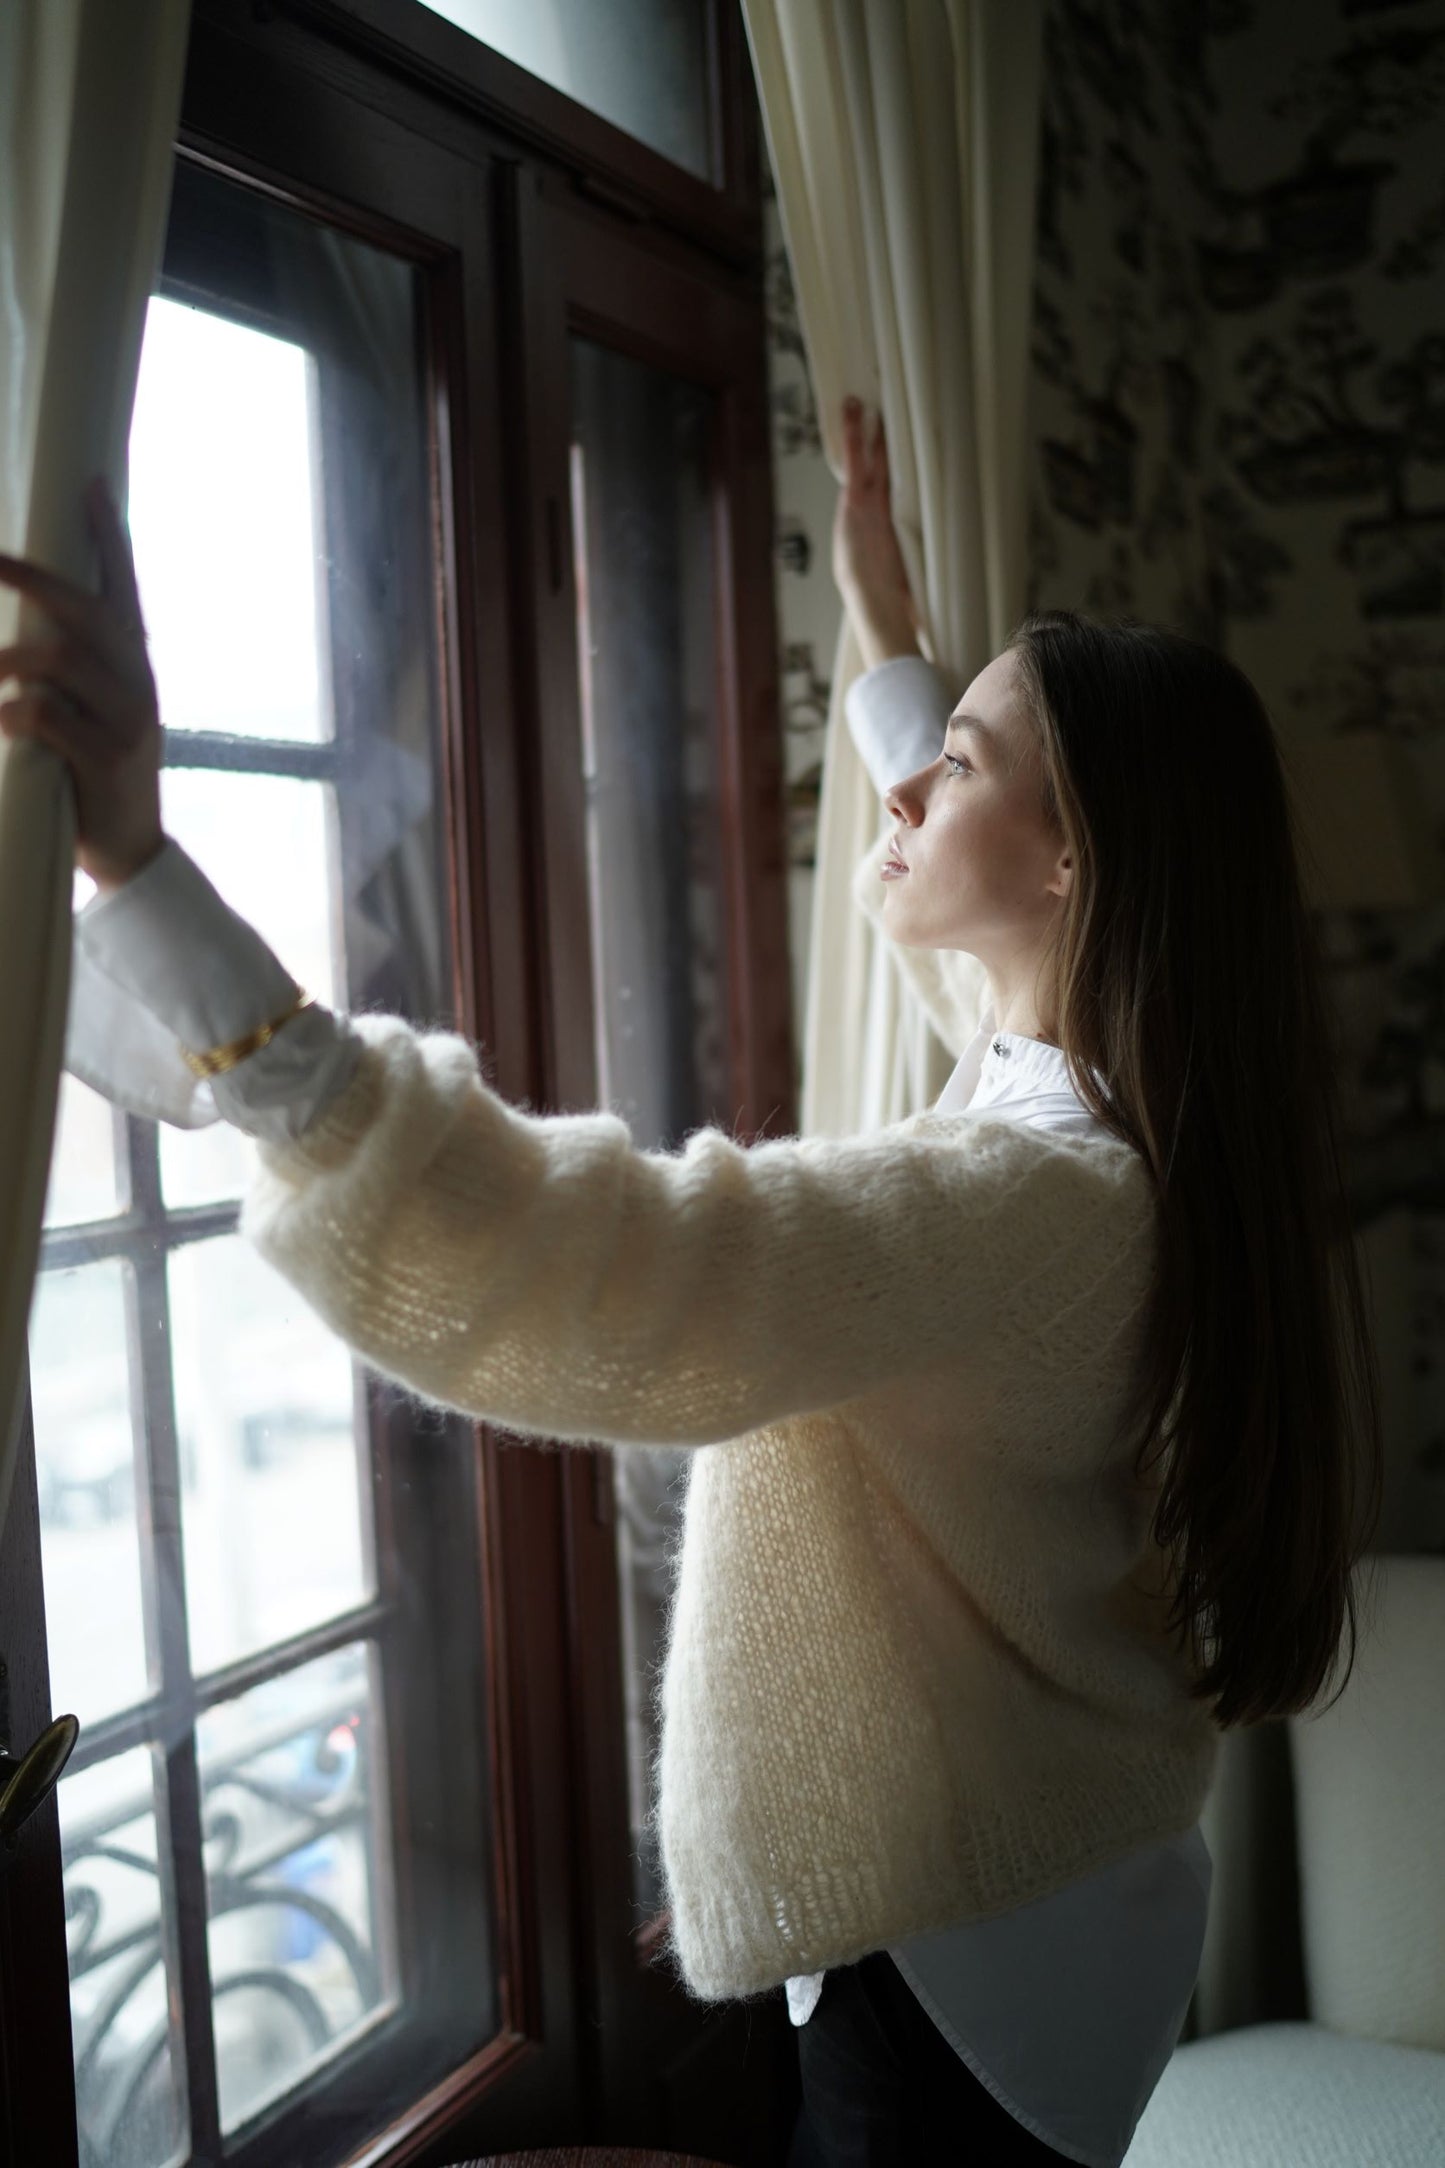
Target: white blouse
column 1067, row 2009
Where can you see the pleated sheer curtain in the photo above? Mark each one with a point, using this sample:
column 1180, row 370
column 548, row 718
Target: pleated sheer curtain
column 904, row 142
column 89, row 100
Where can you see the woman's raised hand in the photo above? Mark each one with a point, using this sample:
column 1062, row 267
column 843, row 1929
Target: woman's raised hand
column 868, row 565
column 86, row 689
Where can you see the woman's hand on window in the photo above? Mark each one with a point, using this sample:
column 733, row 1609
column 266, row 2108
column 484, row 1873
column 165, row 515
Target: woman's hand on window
column 868, row 565
column 87, row 691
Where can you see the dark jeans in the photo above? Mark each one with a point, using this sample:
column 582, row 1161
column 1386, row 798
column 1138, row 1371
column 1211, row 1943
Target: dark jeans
column 882, row 2088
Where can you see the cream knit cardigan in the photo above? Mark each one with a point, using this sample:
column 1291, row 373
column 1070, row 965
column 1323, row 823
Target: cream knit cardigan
column 916, row 1671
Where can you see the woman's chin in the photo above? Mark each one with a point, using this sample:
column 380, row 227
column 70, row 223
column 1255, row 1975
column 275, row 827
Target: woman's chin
column 898, row 930
column 903, row 933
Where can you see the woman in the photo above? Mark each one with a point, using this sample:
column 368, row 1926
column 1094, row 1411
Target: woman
column 1031, row 1432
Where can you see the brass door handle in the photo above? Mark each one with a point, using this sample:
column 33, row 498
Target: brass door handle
column 26, row 1782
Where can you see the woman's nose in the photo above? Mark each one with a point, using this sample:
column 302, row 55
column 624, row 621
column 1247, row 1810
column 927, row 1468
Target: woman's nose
column 904, row 801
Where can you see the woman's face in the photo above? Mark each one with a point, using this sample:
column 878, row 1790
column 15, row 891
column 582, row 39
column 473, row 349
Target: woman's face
column 974, row 865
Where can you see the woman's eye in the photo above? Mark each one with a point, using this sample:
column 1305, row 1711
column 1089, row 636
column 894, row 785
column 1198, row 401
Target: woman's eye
column 959, row 767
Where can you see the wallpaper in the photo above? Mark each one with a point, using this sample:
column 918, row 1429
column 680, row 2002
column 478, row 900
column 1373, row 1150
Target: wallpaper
column 1238, row 428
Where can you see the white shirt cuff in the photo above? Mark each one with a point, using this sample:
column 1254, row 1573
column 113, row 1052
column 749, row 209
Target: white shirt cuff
column 897, row 713
column 164, row 962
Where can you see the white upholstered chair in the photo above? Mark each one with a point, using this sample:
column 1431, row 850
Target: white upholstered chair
column 1361, row 2084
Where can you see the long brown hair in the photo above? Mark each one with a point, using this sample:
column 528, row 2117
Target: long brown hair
column 1185, row 973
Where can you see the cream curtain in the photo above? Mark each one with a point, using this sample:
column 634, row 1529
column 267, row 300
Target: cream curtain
column 904, row 143
column 89, row 100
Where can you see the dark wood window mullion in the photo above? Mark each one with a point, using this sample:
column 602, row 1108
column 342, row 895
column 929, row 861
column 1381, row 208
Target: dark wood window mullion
column 372, row 1621
column 301, row 761
column 162, row 1547
column 132, row 1235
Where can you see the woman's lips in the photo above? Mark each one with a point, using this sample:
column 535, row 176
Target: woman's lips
column 893, row 864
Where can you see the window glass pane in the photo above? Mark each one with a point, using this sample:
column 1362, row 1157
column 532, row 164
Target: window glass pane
column 642, row 64
column 222, row 524
column 272, row 1508
column 82, row 1161
column 300, row 1910
column 261, row 1489
column 85, row 1467
column 124, row 1998
column 643, row 513
column 646, row 585
column 205, row 1166
column 265, row 840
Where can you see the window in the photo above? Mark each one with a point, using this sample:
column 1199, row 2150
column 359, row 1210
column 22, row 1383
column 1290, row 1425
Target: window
column 474, row 592
column 234, row 1610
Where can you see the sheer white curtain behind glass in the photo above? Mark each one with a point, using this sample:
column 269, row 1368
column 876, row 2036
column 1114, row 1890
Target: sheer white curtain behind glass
column 904, row 144
column 89, row 99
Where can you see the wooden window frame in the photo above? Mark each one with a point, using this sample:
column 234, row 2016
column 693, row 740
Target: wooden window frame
column 565, row 224
column 580, row 275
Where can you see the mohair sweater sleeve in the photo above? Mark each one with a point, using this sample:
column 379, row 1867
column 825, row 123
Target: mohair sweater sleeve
column 542, row 1272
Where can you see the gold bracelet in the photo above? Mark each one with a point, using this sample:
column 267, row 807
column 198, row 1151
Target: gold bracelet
column 220, row 1058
